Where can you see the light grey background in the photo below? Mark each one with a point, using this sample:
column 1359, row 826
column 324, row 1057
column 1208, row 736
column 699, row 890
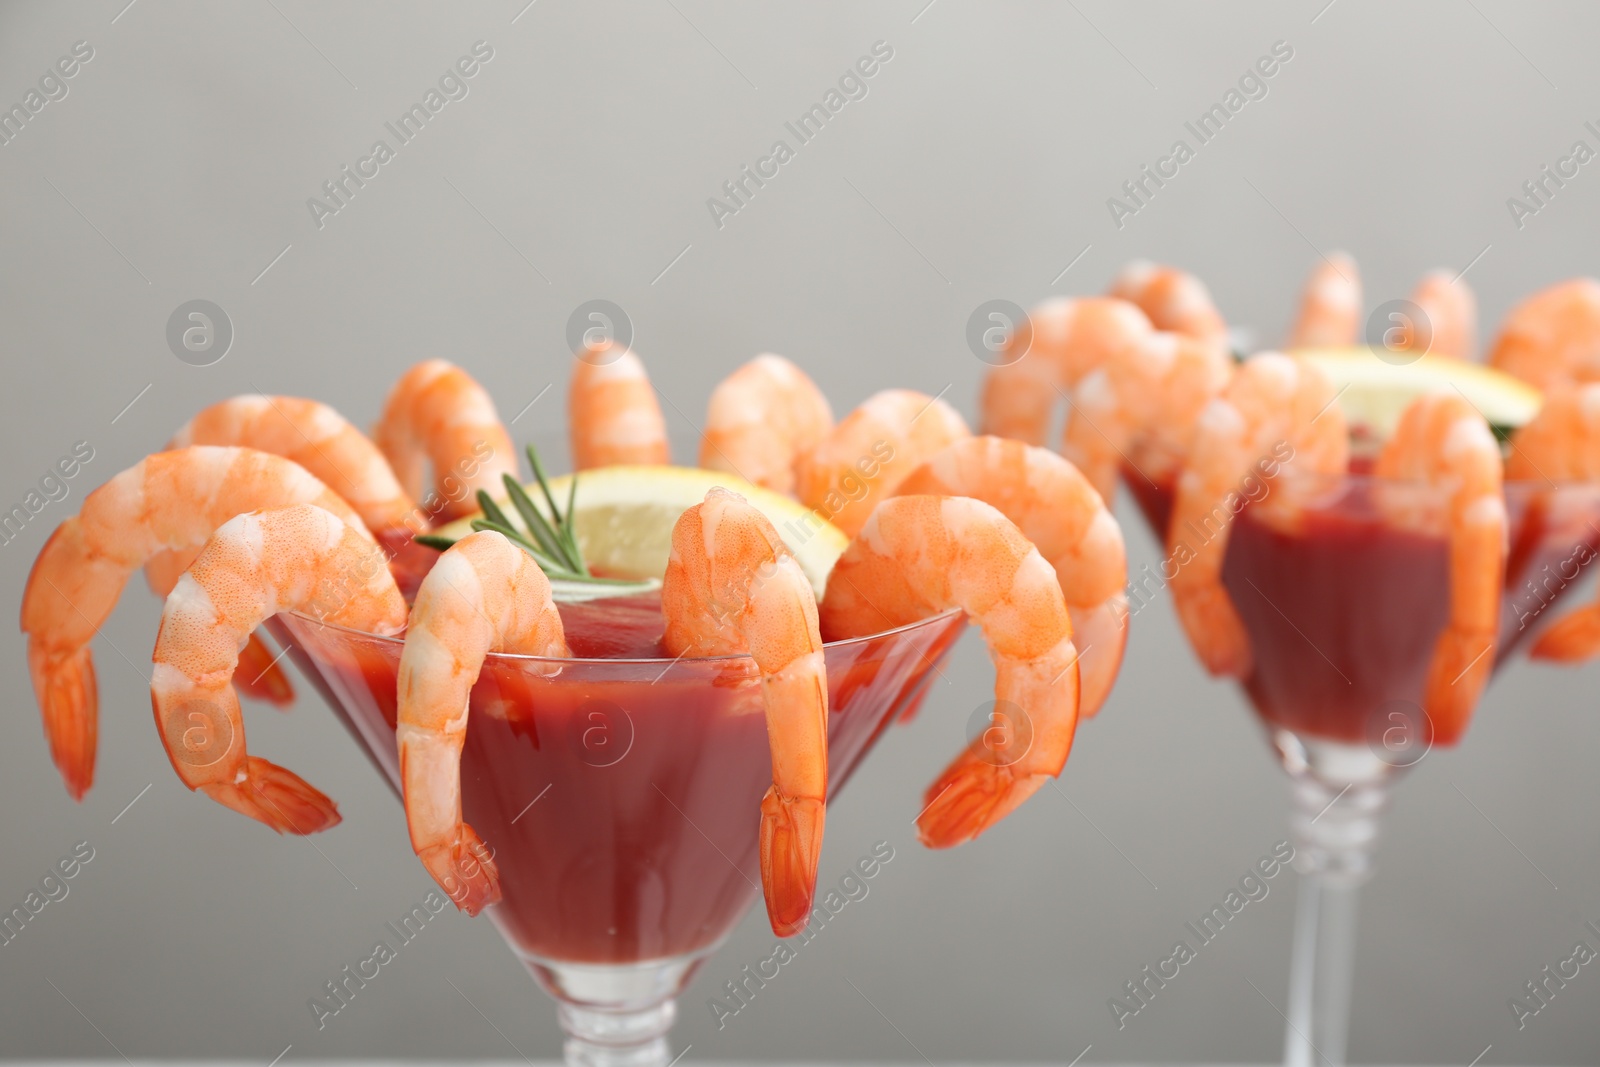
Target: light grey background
column 578, row 167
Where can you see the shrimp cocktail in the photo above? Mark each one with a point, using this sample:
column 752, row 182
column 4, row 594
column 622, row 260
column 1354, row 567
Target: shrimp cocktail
column 611, row 701
column 1359, row 535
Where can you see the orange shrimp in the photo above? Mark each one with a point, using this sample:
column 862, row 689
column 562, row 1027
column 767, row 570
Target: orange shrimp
column 761, row 418
column 483, row 595
column 732, row 587
column 1553, row 337
column 1141, row 409
column 1443, row 441
column 1069, row 338
column 168, row 501
column 1330, row 310
column 1561, row 444
column 1174, row 300
column 613, row 412
column 299, row 558
column 1057, row 509
column 919, row 555
column 871, row 451
column 1451, row 313
column 437, row 415
column 1276, row 412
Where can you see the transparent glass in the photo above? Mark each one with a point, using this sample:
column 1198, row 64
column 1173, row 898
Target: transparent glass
column 1343, row 585
column 621, row 800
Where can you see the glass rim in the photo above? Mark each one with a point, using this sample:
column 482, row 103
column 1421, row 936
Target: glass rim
column 517, row 657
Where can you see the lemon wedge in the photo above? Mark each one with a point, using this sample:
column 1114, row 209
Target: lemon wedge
column 1375, row 387
column 623, row 519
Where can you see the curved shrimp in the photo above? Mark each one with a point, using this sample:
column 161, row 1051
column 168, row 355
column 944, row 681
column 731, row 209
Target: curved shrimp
column 732, row 587
column 1443, row 441
column 1451, row 312
column 1069, row 338
column 483, row 595
column 437, row 415
column 919, row 555
column 167, row 501
column 1562, row 444
column 299, row 558
column 613, row 412
column 1142, row 409
column 760, row 419
column 871, row 451
column 1174, row 300
column 1330, row 308
column 1276, row 411
column 325, row 443
column 1057, row 509
column 1552, row 337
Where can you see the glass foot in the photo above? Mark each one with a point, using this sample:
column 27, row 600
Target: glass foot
column 615, row 1015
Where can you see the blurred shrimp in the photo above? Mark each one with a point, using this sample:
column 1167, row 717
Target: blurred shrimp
column 1067, row 338
column 760, row 419
column 732, row 587
column 920, row 555
column 299, row 558
column 1174, row 301
column 437, row 416
column 483, row 595
column 1141, row 409
column 872, row 451
column 1552, row 338
column 1330, row 309
column 1443, row 441
column 168, row 501
column 1057, row 509
column 1561, row 444
column 1451, row 313
column 612, row 410
column 1276, row 412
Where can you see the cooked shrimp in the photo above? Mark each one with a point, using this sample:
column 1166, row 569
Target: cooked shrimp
column 871, row 451
column 1142, row 407
column 1174, row 300
column 299, row 558
column 1562, row 444
column 1069, row 338
column 613, row 412
column 483, row 595
column 170, row 500
column 1553, row 337
column 732, row 587
column 1276, row 412
column 761, row 418
column 1330, row 310
column 1451, row 314
column 437, row 415
column 1057, row 509
column 1443, row 441
column 919, row 555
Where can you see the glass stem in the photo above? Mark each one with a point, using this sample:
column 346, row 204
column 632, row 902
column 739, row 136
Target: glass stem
column 610, row 1037
column 1334, row 834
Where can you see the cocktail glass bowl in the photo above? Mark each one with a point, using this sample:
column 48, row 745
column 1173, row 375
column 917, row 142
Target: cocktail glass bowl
column 1344, row 589
column 621, row 800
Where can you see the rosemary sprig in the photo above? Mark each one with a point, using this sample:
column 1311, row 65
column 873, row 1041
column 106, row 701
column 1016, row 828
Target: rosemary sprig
column 551, row 541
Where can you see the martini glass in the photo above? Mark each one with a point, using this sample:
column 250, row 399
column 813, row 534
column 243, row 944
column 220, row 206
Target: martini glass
column 1343, row 608
column 620, row 797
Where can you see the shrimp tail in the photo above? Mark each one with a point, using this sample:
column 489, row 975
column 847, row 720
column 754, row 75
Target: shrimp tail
column 791, row 845
column 464, row 869
column 275, row 796
column 1462, row 662
column 1208, row 610
column 1571, row 638
column 65, row 686
column 972, row 794
column 258, row 675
